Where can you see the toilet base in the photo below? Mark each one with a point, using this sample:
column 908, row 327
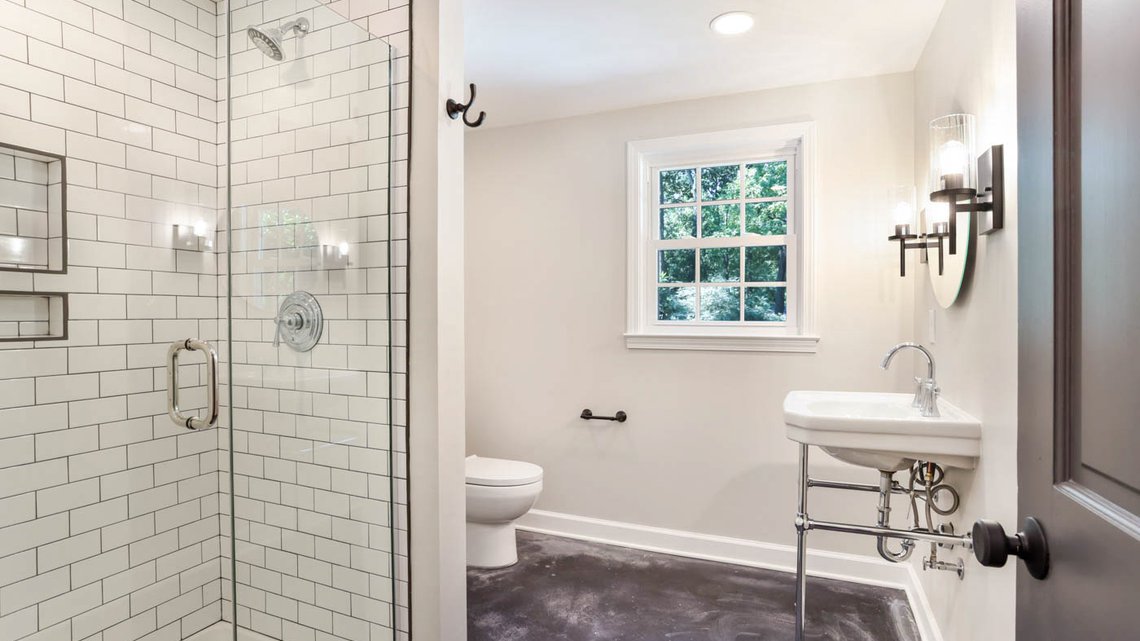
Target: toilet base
column 491, row 545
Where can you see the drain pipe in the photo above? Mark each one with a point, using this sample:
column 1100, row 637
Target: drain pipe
column 886, row 483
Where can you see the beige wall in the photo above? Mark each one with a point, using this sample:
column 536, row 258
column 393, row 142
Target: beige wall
column 704, row 449
column 976, row 339
column 436, row 334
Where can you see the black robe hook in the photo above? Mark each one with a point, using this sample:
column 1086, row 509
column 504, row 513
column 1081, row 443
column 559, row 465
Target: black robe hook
column 457, row 109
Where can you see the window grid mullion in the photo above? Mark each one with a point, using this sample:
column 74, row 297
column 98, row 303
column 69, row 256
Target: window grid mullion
column 700, row 234
column 740, row 234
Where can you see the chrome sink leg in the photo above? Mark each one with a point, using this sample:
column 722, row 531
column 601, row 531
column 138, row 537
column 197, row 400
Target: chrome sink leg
column 801, row 543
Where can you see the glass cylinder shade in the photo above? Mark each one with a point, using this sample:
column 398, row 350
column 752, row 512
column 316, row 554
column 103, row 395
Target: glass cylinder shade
column 902, row 204
column 953, row 161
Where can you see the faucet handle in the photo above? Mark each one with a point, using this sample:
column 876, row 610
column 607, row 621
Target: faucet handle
column 930, row 400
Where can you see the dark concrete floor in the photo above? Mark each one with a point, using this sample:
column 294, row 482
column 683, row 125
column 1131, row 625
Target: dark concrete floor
column 568, row 590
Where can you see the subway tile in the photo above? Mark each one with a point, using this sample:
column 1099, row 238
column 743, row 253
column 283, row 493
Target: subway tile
column 17, row 450
column 153, row 547
column 114, row 28
column 98, row 463
column 99, row 515
column 68, row 551
column 96, row 47
column 123, row 533
column 116, row 332
column 152, row 162
column 62, row 443
column 34, row 590
column 17, row 509
column 34, row 135
column 148, row 501
column 17, row 392
column 99, row 566
column 31, row 534
column 98, row 306
column 61, row 61
column 96, row 359
column 14, row 102
column 148, row 113
column 122, row 80
column 32, row 419
column 67, row 605
column 13, row 568
column 30, row 78
column 71, row 387
column 100, row 618
column 147, row 18
column 124, row 131
column 68, row 11
column 34, row 24
column 63, row 115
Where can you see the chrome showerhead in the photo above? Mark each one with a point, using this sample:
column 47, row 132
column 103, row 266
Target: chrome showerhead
column 268, row 39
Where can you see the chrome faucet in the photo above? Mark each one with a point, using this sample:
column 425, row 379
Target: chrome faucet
column 926, row 394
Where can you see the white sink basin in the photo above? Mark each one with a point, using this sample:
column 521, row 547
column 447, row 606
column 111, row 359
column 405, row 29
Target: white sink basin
column 882, row 431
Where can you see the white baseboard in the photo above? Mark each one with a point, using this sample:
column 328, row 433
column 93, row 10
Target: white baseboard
column 833, row 565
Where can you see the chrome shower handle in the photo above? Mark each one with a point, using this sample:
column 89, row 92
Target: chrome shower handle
column 175, row 413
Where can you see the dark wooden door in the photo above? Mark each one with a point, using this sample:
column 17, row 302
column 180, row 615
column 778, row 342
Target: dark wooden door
column 1079, row 306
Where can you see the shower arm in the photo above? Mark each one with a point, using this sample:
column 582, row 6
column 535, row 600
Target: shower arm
column 300, row 25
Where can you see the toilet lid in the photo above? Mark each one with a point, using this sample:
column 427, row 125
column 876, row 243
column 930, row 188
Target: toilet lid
column 499, row 472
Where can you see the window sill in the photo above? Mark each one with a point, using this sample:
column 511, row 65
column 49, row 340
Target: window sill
column 723, row 343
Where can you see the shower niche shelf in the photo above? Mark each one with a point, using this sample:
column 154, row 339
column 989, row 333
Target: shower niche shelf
column 33, row 210
column 33, row 316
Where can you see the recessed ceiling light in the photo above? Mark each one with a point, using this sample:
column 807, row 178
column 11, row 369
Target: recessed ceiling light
column 732, row 23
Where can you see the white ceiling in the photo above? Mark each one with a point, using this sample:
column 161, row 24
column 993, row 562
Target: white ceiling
column 542, row 59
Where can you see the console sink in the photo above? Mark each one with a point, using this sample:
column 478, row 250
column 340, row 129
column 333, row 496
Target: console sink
column 882, row 431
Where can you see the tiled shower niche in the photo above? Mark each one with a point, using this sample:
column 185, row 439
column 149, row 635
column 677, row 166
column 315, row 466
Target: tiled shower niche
column 33, row 239
column 33, row 219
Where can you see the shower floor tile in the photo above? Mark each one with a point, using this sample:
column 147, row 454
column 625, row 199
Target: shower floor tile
column 568, row 590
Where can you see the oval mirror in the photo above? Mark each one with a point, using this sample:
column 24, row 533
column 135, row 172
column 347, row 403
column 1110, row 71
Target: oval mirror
column 947, row 282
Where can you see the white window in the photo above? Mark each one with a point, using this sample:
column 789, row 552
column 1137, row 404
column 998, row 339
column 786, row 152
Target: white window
column 720, row 241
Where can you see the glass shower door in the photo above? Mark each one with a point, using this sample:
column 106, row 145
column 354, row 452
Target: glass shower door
column 307, row 350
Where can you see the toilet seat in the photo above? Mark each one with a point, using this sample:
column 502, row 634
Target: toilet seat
column 497, row 472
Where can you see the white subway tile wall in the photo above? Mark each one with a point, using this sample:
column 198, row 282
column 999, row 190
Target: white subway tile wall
column 114, row 523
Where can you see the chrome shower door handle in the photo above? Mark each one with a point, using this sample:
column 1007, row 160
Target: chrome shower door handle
column 175, row 413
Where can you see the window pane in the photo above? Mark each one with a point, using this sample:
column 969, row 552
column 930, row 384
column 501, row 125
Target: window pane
column 720, row 183
column 769, row 219
column 678, row 186
column 720, row 303
column 764, row 264
column 676, row 265
column 766, row 179
column 678, row 222
column 676, row 303
column 720, row 265
column 720, row 221
column 768, row 304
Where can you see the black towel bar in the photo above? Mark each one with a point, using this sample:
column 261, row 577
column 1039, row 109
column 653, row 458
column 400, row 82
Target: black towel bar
column 589, row 416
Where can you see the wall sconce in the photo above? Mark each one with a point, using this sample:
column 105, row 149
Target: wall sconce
column 335, row 256
column 963, row 181
column 903, row 199
column 189, row 236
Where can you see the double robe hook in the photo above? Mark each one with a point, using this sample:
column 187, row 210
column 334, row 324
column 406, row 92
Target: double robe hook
column 457, row 109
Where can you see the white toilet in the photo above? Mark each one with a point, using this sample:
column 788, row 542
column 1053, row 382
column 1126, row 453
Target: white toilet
column 498, row 493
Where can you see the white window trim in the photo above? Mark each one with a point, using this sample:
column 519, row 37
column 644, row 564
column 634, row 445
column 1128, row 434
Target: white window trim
column 642, row 157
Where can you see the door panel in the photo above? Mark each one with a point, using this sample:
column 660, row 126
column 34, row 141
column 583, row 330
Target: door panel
column 1109, row 376
column 1079, row 314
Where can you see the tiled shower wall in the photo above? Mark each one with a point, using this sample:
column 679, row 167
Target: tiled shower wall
column 110, row 516
column 109, row 512
column 312, row 201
